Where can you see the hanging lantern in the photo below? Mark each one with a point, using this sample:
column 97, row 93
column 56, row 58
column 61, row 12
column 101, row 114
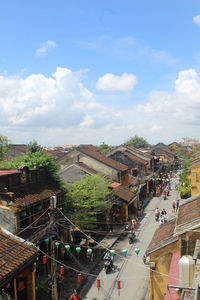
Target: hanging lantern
column 67, row 247
column 98, row 283
column 118, row 284
column 47, row 240
column 125, row 251
column 79, row 278
column 78, row 249
column 21, row 286
column 44, row 260
column 61, row 270
column 89, row 251
column 112, row 252
column 137, row 250
column 57, row 244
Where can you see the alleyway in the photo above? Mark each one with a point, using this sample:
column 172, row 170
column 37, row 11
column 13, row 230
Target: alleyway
column 131, row 271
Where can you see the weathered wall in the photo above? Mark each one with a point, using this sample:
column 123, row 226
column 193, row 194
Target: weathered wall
column 72, row 174
column 162, row 258
column 8, row 219
column 195, row 179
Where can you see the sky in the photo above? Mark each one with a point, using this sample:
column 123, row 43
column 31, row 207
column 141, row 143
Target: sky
column 88, row 71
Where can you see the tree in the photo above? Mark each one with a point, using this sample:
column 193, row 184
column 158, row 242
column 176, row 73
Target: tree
column 33, row 147
column 37, row 159
column 4, row 146
column 137, row 142
column 88, row 198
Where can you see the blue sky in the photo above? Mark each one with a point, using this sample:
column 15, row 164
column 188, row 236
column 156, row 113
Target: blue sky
column 94, row 71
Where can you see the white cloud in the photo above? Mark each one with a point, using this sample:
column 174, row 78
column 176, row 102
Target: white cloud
column 60, row 109
column 46, row 46
column 111, row 82
column 196, row 20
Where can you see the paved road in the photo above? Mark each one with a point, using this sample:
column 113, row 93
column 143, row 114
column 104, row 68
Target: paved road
column 131, row 271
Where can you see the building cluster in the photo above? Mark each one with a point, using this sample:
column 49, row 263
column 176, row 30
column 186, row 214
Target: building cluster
column 25, row 208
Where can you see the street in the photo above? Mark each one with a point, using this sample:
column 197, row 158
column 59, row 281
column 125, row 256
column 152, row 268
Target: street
column 132, row 273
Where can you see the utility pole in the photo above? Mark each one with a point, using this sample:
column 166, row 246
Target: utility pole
column 54, row 293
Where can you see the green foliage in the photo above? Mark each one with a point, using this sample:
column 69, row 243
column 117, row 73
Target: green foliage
column 88, row 197
column 33, row 147
column 105, row 148
column 4, row 145
column 37, row 159
column 185, row 185
column 137, row 142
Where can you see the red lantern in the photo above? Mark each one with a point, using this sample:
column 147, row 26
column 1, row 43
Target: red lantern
column 61, row 270
column 118, row 284
column 44, row 259
column 20, row 286
column 79, row 278
column 98, row 283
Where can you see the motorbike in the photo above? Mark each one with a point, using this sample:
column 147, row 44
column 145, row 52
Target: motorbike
column 107, row 266
column 131, row 237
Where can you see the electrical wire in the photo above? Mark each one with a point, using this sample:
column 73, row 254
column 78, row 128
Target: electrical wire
column 163, row 274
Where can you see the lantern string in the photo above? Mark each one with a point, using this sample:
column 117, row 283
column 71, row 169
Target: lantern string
column 126, row 259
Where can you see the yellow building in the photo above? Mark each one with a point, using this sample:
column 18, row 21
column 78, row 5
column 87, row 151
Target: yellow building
column 178, row 236
column 195, row 177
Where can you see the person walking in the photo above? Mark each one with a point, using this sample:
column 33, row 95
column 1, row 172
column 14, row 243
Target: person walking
column 75, row 296
column 174, row 206
column 177, row 205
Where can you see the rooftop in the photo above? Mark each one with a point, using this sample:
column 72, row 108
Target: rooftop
column 136, row 158
column 31, row 193
column 15, row 253
column 102, row 158
column 189, row 211
column 124, row 193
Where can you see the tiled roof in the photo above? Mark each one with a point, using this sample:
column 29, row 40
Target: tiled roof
column 124, row 193
column 20, row 147
column 138, row 151
column 86, row 167
column 164, row 232
column 189, row 211
column 136, row 158
column 8, row 171
column 55, row 153
column 114, row 185
column 15, row 253
column 31, row 193
column 132, row 180
column 102, row 158
column 90, row 146
column 195, row 162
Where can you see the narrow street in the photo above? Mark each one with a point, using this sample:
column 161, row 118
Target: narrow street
column 130, row 270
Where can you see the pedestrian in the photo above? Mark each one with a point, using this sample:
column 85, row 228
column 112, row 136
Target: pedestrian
column 174, row 206
column 177, row 204
column 75, row 295
column 59, row 279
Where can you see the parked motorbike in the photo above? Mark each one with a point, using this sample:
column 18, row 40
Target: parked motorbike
column 107, row 266
column 131, row 237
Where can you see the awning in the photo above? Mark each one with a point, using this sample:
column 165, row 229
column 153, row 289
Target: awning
column 173, row 277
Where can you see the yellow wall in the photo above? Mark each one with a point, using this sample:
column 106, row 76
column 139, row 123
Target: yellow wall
column 195, row 179
column 162, row 258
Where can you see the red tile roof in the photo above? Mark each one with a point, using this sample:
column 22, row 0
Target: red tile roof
column 8, row 171
column 173, row 277
column 164, row 232
column 114, row 185
column 132, row 180
column 136, row 158
column 31, row 193
column 124, row 193
column 138, row 151
column 14, row 254
column 188, row 211
column 86, row 167
column 103, row 159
